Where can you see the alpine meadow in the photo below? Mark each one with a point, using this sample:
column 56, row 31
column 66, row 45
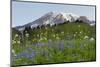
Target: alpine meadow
column 55, row 37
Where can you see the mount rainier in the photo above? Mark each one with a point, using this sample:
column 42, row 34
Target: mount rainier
column 55, row 18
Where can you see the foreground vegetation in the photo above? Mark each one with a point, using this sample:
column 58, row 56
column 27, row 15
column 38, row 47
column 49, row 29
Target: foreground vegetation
column 69, row 42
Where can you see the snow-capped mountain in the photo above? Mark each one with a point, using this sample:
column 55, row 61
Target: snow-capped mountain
column 54, row 18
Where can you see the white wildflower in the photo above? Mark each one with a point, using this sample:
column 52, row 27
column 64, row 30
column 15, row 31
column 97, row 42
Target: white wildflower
column 16, row 35
column 38, row 35
column 74, row 35
column 91, row 39
column 18, row 42
column 14, row 52
column 45, row 38
column 13, row 41
column 57, row 38
column 41, row 33
column 86, row 37
column 56, row 34
column 62, row 32
column 41, row 39
column 27, row 35
column 53, row 35
column 80, row 31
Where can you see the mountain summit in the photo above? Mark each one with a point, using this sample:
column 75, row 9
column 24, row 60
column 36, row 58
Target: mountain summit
column 54, row 18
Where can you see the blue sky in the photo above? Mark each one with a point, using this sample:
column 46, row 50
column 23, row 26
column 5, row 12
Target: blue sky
column 25, row 12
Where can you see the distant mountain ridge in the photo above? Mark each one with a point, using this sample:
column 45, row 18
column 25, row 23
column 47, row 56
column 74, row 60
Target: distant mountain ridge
column 55, row 18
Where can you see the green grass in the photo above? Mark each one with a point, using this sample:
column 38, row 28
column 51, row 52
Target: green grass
column 75, row 47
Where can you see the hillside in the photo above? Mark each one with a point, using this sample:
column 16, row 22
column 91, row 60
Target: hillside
column 67, row 42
